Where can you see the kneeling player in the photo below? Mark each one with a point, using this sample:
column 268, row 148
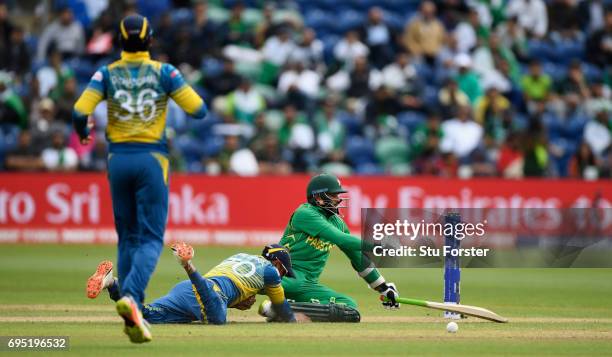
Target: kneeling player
column 231, row 284
column 313, row 230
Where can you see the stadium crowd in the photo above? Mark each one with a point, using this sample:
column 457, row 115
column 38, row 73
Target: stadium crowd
column 506, row 88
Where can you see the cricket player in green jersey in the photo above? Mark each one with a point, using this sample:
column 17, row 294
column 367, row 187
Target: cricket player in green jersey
column 313, row 230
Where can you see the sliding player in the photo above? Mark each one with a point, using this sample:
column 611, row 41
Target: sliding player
column 313, row 230
column 231, row 284
column 137, row 90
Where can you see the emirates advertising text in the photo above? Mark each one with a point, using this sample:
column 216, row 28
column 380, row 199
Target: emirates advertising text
column 488, row 237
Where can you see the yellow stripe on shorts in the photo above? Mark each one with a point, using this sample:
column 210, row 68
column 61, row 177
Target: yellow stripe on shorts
column 164, row 163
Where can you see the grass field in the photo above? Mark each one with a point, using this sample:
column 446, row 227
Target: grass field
column 551, row 311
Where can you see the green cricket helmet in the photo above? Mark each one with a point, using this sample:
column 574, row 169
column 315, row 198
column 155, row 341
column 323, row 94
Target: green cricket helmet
column 323, row 191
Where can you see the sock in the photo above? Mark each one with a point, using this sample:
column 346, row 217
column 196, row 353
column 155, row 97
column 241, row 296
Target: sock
column 113, row 290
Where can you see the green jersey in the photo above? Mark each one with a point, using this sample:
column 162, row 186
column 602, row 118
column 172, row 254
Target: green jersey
column 311, row 234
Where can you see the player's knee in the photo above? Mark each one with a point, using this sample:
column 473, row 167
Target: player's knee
column 346, row 300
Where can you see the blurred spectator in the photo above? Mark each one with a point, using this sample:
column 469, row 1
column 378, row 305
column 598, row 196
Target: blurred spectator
column 330, row 131
column 244, row 163
column 488, row 112
column 236, row 160
column 468, row 33
column 510, row 162
column 309, row 51
column 426, row 136
column 450, row 97
column 467, row 80
column 204, row 39
column 597, row 133
column 245, row 102
column 378, row 37
column 486, row 61
column 64, row 35
column 480, row 166
column 236, row 30
column 599, row 44
column 574, row 82
column 270, row 158
column 59, row 157
column 491, row 13
column 299, row 138
column 584, row 164
column 563, row 19
column 266, row 28
column 163, row 38
column 535, row 154
column 401, row 75
column 260, row 132
column 291, row 116
column 276, row 51
column 225, row 81
column 96, row 159
column 536, row 85
column 102, row 39
column 461, row 135
column 44, row 124
column 65, row 101
column 183, row 49
column 12, row 110
column 52, row 75
column 24, row 157
column 512, row 36
column 350, row 48
column 445, row 60
column 381, row 108
column 425, row 34
column 300, row 85
column 599, row 100
column 360, row 79
column 531, row 15
column 16, row 57
column 6, row 28
column 591, row 15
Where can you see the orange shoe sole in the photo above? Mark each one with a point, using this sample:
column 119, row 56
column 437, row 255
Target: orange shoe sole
column 95, row 283
column 183, row 250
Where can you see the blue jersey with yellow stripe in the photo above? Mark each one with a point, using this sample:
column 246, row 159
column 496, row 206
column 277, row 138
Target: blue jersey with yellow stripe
column 137, row 90
column 249, row 275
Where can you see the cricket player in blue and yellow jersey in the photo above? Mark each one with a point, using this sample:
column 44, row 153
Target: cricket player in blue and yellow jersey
column 233, row 283
column 137, row 90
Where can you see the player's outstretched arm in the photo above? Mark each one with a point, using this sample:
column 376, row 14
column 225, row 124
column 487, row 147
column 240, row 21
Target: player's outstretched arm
column 182, row 93
column 366, row 269
column 183, row 254
column 274, row 291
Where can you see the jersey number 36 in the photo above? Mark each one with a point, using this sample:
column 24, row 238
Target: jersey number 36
column 144, row 105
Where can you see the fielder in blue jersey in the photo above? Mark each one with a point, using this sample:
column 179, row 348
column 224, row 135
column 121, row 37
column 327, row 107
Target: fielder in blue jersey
column 233, row 283
column 137, row 90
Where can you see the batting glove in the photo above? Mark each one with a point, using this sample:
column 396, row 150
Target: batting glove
column 388, row 295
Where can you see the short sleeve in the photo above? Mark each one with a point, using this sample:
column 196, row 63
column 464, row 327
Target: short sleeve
column 271, row 276
column 172, row 79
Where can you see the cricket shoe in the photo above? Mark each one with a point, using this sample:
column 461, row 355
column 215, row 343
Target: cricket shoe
column 183, row 252
column 100, row 280
column 136, row 327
